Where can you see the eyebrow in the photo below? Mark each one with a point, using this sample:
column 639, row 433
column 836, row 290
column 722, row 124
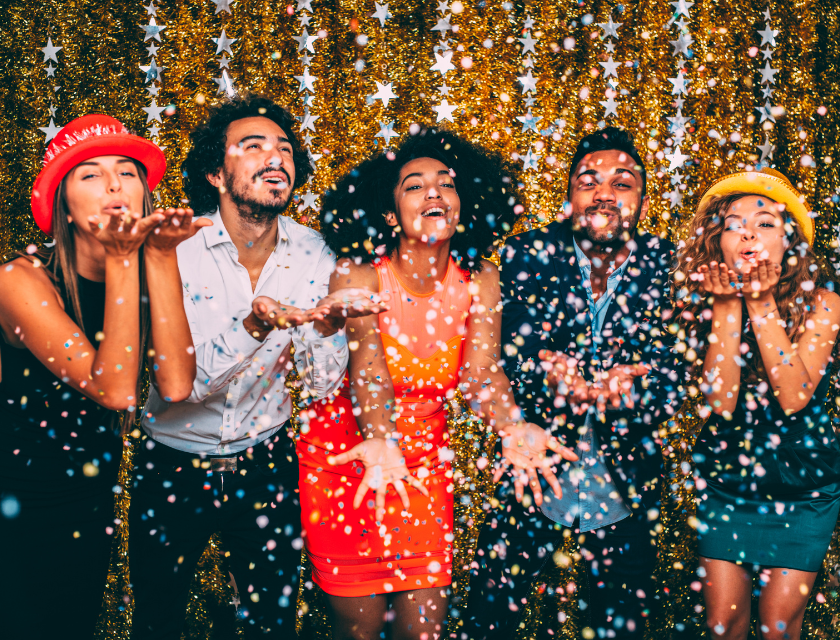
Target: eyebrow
column 256, row 136
column 442, row 172
column 92, row 163
column 593, row 172
column 763, row 212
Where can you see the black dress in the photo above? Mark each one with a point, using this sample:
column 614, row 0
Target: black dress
column 59, row 459
column 772, row 491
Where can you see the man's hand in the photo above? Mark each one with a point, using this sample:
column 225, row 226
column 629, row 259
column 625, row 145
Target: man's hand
column 614, row 387
column 562, row 374
column 267, row 315
column 384, row 464
column 332, row 312
column 177, row 225
column 524, row 447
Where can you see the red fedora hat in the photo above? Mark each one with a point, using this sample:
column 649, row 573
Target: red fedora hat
column 82, row 139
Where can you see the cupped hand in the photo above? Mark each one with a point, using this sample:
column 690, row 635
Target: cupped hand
column 177, row 225
column 719, row 280
column 614, row 387
column 267, row 314
column 761, row 277
column 123, row 234
column 563, row 375
column 525, row 448
column 331, row 313
column 384, row 464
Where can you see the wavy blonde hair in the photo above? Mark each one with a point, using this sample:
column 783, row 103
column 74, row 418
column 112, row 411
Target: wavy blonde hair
column 694, row 305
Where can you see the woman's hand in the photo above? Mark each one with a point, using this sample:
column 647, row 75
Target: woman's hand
column 384, row 464
column 563, row 375
column 524, row 447
column 177, row 225
column 331, row 313
column 761, row 278
column 719, row 280
column 122, row 235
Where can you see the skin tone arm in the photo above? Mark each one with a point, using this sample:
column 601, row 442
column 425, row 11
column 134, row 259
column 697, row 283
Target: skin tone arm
column 31, row 312
column 524, row 445
column 172, row 353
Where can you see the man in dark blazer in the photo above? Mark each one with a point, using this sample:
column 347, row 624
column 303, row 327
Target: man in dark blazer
column 589, row 345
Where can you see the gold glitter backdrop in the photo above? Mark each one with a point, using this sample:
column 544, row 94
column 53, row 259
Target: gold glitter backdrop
column 706, row 88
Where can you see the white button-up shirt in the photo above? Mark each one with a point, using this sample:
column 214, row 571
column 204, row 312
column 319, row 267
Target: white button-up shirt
column 239, row 396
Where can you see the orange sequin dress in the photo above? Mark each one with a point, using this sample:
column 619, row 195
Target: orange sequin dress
column 423, row 337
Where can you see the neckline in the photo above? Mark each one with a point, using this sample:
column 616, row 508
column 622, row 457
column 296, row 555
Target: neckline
column 405, row 286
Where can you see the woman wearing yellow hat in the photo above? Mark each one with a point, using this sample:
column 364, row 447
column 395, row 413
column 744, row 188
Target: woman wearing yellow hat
column 760, row 323
column 74, row 319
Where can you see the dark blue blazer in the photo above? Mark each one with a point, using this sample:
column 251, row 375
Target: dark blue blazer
column 545, row 307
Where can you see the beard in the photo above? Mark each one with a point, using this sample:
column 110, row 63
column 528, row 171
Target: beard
column 619, row 229
column 258, row 211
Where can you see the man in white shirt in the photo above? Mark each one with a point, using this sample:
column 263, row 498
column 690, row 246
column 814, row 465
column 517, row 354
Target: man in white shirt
column 255, row 285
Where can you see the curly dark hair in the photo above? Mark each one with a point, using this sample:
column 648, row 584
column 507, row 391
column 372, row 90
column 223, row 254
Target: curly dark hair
column 353, row 215
column 209, row 147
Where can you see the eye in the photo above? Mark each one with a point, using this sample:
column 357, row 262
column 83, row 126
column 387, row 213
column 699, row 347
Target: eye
column 450, row 185
column 412, row 187
column 732, row 226
column 253, row 145
column 623, row 185
column 767, row 225
column 128, row 172
column 286, row 150
column 88, row 175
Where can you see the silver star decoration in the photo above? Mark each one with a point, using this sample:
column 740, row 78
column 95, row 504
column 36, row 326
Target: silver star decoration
column 154, row 131
column 681, row 44
column 152, row 49
column 442, row 45
column 767, row 52
column 223, row 43
column 529, row 122
column 610, row 47
column 153, row 89
column 382, row 14
column 52, row 110
column 767, row 149
column 305, row 41
column 304, row 5
column 153, row 112
column 305, row 60
column 765, row 112
column 304, row 19
column 444, row 111
column 152, row 30
column 152, row 71
column 224, row 84
column 50, row 51
column 528, row 43
column 442, row 25
column 51, row 130
column 528, row 24
column 151, row 10
column 528, row 63
column 306, row 81
column 530, row 160
column 313, row 158
column 768, row 36
column 307, row 139
column 678, row 123
column 530, row 101
column 680, row 84
column 385, row 93
column 443, row 7
column 224, row 62
column 308, row 200
column 610, row 28
column 610, row 105
column 677, row 178
column 767, row 74
column 443, row 89
column 681, row 7
column 386, row 131
column 676, row 159
column 528, row 82
column 444, row 63
column 223, row 5
column 682, row 24
column 674, row 197
column 767, row 92
column 766, row 14
column 610, row 67
column 308, row 121
column 308, row 99
column 50, row 69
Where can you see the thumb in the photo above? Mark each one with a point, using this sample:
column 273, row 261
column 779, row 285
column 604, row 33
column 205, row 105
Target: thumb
column 355, row 453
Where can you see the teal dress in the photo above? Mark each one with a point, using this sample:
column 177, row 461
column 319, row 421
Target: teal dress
column 772, row 482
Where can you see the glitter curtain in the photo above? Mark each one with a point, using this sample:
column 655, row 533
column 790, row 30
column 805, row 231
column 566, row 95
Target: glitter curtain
column 527, row 79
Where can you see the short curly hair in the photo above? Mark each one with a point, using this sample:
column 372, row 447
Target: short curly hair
column 353, row 215
column 209, row 147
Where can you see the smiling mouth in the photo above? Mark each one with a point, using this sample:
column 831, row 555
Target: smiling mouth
column 435, row 212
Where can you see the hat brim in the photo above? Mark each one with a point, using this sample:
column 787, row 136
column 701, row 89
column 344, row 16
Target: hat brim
column 767, row 185
column 144, row 151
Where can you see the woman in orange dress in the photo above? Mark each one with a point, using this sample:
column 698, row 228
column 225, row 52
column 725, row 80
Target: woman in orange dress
column 376, row 477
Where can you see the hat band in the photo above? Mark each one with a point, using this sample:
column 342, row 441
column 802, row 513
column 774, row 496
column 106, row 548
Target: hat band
column 72, row 138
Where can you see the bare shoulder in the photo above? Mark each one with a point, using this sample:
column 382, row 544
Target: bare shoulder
column 20, row 278
column 828, row 303
column 488, row 277
column 351, row 274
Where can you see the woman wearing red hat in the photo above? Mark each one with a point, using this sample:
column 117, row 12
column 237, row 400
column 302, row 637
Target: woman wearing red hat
column 74, row 319
column 761, row 322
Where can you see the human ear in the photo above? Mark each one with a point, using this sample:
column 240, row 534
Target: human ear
column 645, row 207
column 215, row 178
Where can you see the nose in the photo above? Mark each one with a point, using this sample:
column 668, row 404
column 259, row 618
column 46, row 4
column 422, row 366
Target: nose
column 432, row 193
column 114, row 184
column 747, row 234
column 274, row 160
column 604, row 192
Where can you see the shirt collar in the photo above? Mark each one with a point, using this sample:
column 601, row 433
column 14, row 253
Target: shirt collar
column 586, row 266
column 218, row 233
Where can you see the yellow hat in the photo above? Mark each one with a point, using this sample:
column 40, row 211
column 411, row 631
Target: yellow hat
column 770, row 183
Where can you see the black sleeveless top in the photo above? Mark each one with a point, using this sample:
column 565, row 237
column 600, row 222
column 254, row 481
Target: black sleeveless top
column 51, row 432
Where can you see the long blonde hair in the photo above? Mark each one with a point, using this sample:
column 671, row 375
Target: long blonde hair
column 59, row 261
column 795, row 301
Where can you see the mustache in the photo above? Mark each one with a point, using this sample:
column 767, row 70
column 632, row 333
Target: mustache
column 264, row 170
column 602, row 208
